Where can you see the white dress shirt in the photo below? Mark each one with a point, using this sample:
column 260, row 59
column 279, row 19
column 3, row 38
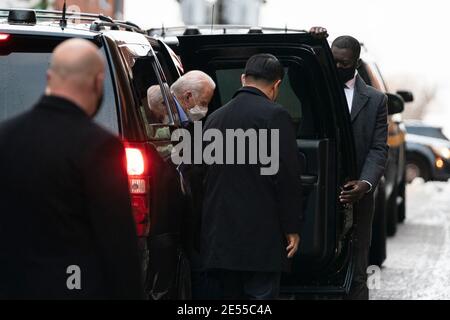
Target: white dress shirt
column 350, row 92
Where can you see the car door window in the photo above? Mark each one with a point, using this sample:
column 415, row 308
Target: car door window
column 293, row 96
column 152, row 94
column 25, row 61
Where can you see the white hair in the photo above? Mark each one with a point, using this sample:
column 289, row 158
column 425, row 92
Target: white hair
column 154, row 96
column 194, row 81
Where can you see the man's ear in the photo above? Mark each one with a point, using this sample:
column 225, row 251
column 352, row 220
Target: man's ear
column 188, row 95
column 358, row 63
column 278, row 84
column 100, row 82
column 243, row 80
column 276, row 89
column 47, row 87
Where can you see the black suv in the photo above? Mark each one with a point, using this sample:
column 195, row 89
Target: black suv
column 313, row 95
column 135, row 62
column 390, row 205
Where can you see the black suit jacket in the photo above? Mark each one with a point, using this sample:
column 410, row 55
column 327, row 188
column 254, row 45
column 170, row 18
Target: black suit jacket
column 64, row 201
column 246, row 215
column 370, row 129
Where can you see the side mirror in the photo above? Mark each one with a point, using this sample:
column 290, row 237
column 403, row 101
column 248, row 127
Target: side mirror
column 407, row 96
column 396, row 104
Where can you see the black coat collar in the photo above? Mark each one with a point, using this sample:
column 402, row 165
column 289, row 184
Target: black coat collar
column 61, row 105
column 251, row 90
column 361, row 97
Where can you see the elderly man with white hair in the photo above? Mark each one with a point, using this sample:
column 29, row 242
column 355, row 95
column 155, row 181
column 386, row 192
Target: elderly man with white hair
column 193, row 92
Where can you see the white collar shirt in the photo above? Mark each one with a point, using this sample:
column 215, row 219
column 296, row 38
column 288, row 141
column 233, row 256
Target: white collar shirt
column 350, row 92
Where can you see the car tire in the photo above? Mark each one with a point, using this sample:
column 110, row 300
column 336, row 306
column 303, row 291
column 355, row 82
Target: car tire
column 392, row 213
column 417, row 166
column 401, row 202
column 379, row 234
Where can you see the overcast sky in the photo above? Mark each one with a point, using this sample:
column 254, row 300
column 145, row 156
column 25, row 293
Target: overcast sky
column 407, row 37
column 404, row 34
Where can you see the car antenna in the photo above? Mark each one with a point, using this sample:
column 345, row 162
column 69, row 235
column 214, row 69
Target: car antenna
column 63, row 22
column 212, row 16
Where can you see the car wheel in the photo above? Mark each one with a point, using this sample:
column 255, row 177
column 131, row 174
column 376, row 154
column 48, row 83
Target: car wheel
column 392, row 213
column 378, row 245
column 416, row 167
column 401, row 202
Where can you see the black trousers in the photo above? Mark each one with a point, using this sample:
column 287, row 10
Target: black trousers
column 245, row 285
column 364, row 213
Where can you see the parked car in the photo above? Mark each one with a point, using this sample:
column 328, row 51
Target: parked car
column 420, row 128
column 135, row 62
column 391, row 197
column 427, row 152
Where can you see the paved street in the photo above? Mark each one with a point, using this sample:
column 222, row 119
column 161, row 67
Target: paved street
column 418, row 263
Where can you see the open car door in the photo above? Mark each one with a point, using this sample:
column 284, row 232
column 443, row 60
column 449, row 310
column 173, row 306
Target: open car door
column 312, row 94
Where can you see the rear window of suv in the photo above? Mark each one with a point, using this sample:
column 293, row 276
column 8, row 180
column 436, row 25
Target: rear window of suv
column 24, row 61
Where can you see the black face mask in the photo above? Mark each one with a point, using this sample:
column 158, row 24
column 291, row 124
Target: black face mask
column 346, row 74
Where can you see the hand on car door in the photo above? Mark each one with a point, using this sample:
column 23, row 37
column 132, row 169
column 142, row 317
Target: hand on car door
column 293, row 244
column 354, row 191
column 319, row 32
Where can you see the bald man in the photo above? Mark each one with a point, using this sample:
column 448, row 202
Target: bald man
column 156, row 105
column 66, row 226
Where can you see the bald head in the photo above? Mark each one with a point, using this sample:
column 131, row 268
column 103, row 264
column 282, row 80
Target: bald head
column 156, row 104
column 77, row 72
column 154, row 96
column 194, row 88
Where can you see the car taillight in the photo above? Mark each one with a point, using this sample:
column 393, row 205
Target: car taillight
column 139, row 181
column 4, row 37
column 135, row 161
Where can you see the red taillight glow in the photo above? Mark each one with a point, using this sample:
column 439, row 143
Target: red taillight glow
column 139, row 183
column 140, row 208
column 4, row 37
column 135, row 162
column 139, row 204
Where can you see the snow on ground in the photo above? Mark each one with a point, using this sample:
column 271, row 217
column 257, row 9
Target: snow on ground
column 418, row 263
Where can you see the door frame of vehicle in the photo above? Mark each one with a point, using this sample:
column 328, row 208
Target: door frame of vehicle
column 197, row 52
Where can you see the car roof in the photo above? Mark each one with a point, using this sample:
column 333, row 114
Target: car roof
column 51, row 23
column 137, row 42
column 52, row 29
column 420, row 124
column 171, row 34
column 218, row 29
column 425, row 140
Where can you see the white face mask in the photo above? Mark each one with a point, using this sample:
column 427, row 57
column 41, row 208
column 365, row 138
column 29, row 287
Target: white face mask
column 197, row 113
